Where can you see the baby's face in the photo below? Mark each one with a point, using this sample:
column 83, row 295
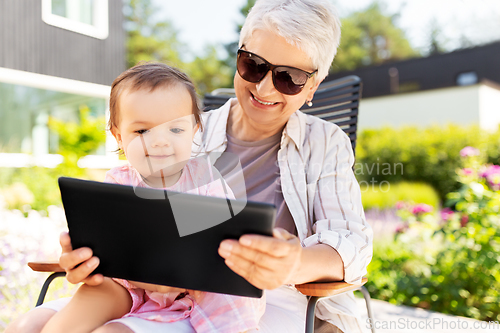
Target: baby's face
column 155, row 130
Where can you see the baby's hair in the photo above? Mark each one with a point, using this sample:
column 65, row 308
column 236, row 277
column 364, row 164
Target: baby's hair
column 149, row 76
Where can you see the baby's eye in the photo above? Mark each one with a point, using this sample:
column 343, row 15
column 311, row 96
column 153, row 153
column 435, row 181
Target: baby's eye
column 141, row 131
column 176, row 130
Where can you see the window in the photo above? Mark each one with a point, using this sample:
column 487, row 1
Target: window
column 25, row 111
column 29, row 100
column 88, row 17
column 467, row 78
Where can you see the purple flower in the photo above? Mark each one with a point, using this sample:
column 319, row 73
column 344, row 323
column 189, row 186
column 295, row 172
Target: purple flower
column 469, row 151
column 421, row 209
column 492, row 176
column 446, row 214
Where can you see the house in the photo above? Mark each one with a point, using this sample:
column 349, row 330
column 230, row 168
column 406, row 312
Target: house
column 55, row 56
column 461, row 87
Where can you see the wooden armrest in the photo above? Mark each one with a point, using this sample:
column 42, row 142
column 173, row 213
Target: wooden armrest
column 45, row 266
column 322, row 289
column 319, row 289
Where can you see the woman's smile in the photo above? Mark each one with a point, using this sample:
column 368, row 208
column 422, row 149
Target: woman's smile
column 262, row 101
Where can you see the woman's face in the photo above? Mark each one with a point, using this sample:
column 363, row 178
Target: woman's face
column 260, row 101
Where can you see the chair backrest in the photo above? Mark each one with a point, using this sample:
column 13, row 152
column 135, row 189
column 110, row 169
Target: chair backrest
column 336, row 101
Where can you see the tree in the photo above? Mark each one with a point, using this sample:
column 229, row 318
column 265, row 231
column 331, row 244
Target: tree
column 232, row 48
column 208, row 72
column 436, row 45
column 149, row 39
column 369, row 37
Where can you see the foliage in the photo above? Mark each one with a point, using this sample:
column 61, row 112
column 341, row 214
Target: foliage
column 385, row 196
column 470, row 266
column 429, row 155
column 77, row 140
column 39, row 187
column 209, row 73
column 153, row 39
column 436, row 45
column 40, row 182
column 232, row 47
column 371, row 37
column 454, row 261
column 147, row 38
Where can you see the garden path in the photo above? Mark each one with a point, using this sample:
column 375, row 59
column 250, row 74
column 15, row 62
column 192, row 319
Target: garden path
column 390, row 318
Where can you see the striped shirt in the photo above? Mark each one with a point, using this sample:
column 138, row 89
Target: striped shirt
column 315, row 162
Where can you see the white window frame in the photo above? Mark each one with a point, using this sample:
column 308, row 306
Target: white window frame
column 47, row 82
column 100, row 30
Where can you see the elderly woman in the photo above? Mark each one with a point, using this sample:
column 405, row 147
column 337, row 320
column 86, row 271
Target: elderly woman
column 298, row 162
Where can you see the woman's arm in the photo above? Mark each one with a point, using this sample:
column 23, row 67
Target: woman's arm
column 269, row 262
column 339, row 246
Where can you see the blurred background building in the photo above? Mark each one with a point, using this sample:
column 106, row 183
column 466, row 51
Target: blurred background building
column 461, row 87
column 56, row 57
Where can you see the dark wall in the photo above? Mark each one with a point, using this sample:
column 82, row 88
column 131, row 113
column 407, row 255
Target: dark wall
column 29, row 44
column 433, row 72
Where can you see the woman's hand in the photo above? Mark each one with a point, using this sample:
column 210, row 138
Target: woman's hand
column 266, row 262
column 82, row 258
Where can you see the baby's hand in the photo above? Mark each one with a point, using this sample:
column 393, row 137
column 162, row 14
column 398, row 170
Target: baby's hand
column 157, row 288
column 197, row 295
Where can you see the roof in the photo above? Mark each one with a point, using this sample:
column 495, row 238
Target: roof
column 476, row 64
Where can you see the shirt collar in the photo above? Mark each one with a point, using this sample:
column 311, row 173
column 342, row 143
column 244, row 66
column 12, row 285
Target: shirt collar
column 295, row 128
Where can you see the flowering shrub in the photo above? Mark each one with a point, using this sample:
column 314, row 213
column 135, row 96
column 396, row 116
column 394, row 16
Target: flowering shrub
column 470, row 265
column 469, row 151
column 24, row 239
column 491, row 175
column 455, row 255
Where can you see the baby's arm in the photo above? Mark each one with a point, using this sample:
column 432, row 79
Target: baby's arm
column 90, row 308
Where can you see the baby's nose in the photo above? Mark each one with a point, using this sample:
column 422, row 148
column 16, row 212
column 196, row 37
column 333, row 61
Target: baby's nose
column 160, row 140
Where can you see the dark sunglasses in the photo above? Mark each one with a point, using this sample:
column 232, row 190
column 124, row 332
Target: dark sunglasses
column 287, row 80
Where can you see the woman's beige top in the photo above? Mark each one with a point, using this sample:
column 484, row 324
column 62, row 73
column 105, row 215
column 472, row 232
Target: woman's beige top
column 315, row 162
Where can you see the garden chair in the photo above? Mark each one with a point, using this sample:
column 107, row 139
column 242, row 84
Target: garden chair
column 335, row 101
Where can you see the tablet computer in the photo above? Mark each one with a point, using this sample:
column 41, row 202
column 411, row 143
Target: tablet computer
column 137, row 238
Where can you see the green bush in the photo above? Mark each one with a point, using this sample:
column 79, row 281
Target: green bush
column 41, row 182
column 396, row 274
column 76, row 140
column 387, row 195
column 429, row 155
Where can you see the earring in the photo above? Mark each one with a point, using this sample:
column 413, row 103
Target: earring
column 309, row 103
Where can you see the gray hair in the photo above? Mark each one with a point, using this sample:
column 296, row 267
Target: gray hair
column 311, row 25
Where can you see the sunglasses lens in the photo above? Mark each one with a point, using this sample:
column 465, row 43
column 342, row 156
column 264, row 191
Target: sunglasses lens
column 250, row 67
column 289, row 81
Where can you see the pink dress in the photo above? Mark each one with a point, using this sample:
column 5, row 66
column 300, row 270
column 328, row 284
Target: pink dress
column 213, row 312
